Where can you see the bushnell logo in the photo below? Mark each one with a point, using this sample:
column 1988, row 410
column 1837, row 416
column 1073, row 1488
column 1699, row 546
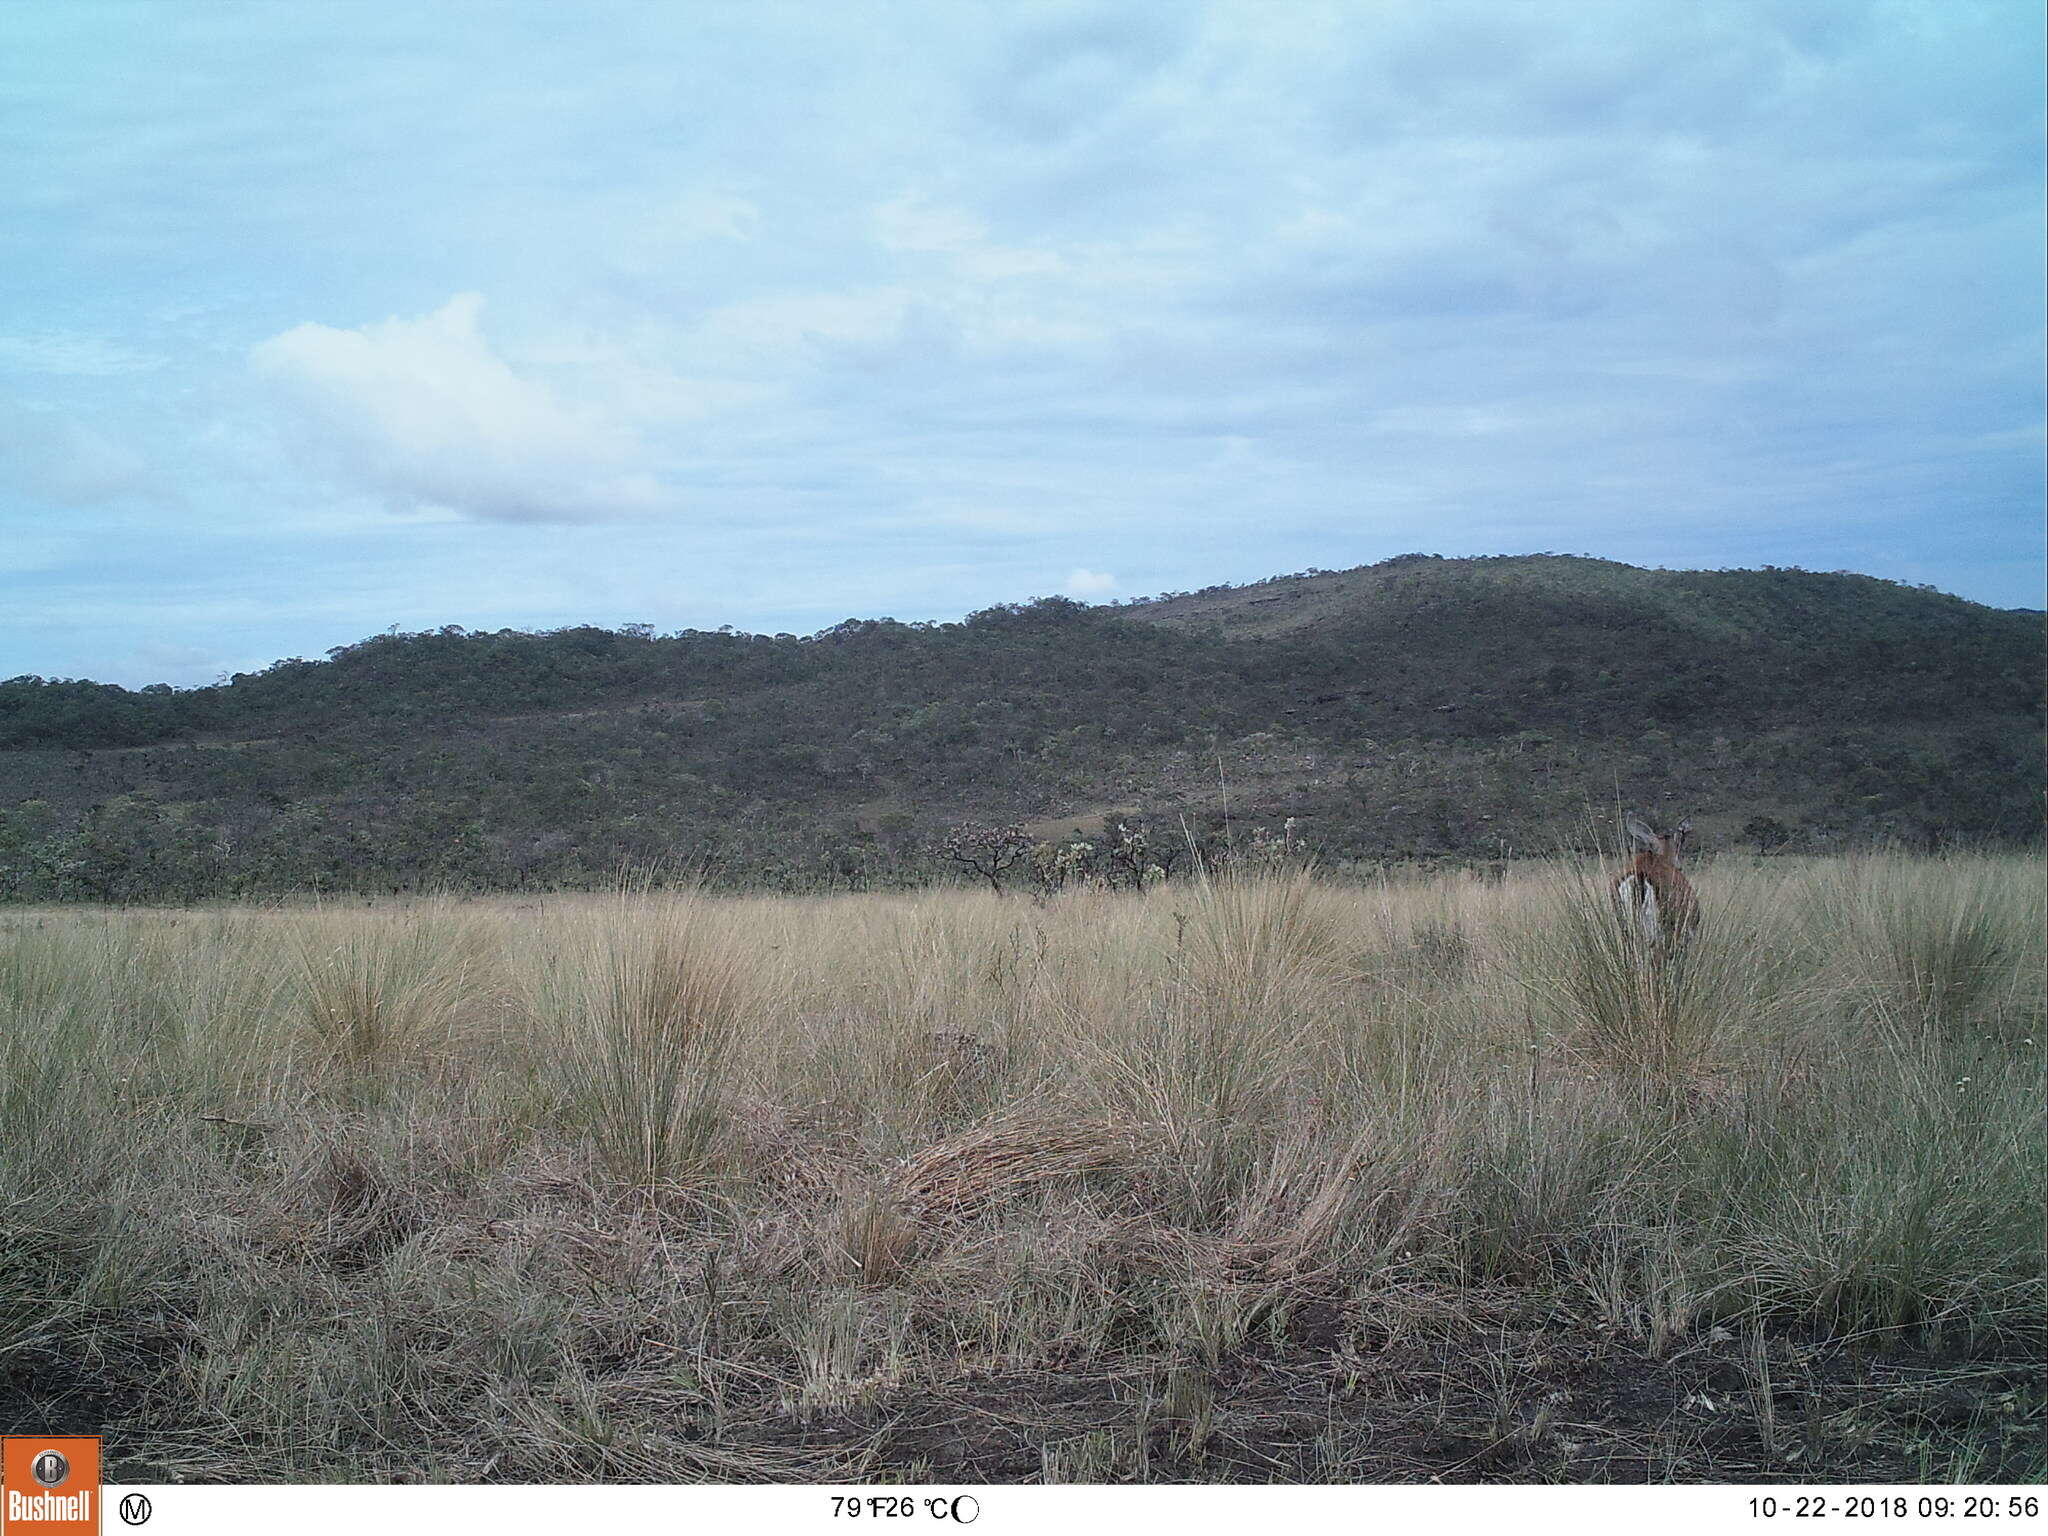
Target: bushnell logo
column 52, row 1486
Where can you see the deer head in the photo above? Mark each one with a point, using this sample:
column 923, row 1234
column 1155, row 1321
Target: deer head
column 1666, row 847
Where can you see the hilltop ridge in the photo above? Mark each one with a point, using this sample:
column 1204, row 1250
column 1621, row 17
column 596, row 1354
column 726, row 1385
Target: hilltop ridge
column 1279, row 603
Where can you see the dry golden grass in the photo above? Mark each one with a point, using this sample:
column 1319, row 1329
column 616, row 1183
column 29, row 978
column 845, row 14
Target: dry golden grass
column 660, row 1185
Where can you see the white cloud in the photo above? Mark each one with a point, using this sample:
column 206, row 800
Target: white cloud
column 426, row 413
column 1083, row 582
column 909, row 224
column 66, row 352
column 48, row 457
column 22, row 553
column 708, row 215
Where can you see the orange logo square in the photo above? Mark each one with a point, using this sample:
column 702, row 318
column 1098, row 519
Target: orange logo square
column 49, row 1485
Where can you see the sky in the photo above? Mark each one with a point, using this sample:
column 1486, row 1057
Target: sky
column 322, row 318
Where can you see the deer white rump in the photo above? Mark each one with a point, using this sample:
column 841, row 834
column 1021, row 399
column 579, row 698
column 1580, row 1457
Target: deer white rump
column 1635, row 899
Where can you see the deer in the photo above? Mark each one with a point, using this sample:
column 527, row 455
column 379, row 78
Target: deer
column 1654, row 899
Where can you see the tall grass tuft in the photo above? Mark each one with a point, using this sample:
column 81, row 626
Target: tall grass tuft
column 1662, row 1018
column 1934, row 941
column 641, row 1004
column 378, row 990
column 1212, row 1057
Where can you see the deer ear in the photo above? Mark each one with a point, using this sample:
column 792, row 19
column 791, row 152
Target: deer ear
column 1685, row 827
column 1640, row 832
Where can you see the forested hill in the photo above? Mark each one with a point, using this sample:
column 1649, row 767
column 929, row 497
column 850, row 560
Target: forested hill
column 1419, row 708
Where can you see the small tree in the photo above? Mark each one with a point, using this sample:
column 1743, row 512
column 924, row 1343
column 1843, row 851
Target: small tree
column 1055, row 866
column 988, row 851
column 1767, row 832
column 1129, row 854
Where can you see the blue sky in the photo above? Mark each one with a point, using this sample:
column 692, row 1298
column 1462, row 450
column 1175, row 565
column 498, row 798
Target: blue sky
column 321, row 318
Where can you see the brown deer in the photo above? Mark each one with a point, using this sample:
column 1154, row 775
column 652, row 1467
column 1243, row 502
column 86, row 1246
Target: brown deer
column 1652, row 895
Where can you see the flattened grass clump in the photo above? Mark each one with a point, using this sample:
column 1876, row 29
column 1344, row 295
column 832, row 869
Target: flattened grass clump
column 993, row 1164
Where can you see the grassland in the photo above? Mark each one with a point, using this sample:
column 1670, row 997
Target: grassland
column 1266, row 1179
